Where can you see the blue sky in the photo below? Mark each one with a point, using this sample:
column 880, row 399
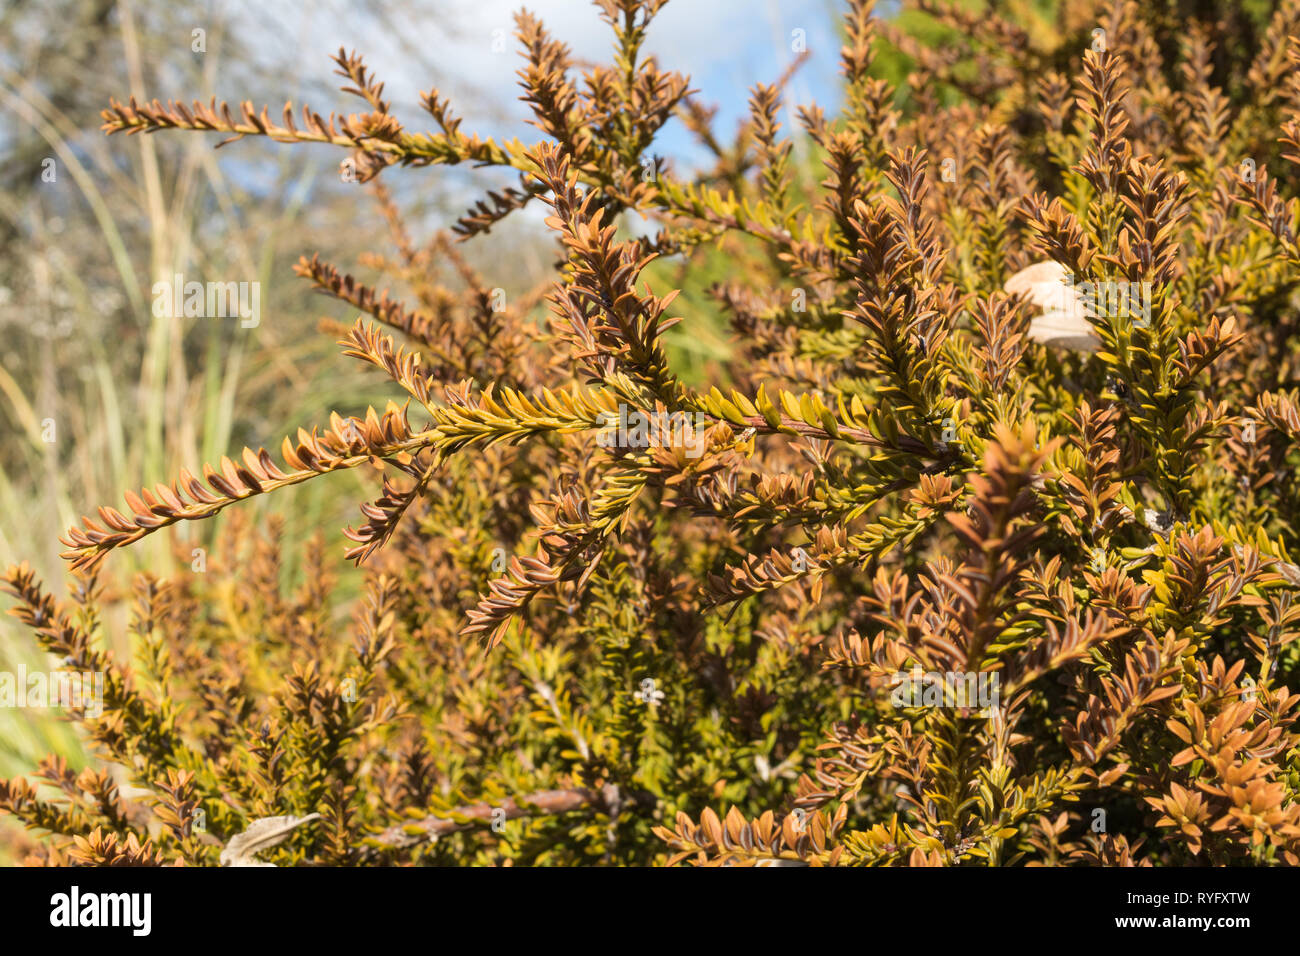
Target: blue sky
column 724, row 45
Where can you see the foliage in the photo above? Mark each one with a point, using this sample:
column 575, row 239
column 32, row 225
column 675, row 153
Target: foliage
column 689, row 647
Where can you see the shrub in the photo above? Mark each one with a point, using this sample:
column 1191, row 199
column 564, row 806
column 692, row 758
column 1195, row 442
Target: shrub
column 928, row 576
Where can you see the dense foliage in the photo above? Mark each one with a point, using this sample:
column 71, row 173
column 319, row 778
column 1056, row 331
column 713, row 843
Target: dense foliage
column 586, row 642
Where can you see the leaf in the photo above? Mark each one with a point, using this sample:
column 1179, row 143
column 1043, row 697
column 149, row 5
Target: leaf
column 1064, row 322
column 261, row 835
